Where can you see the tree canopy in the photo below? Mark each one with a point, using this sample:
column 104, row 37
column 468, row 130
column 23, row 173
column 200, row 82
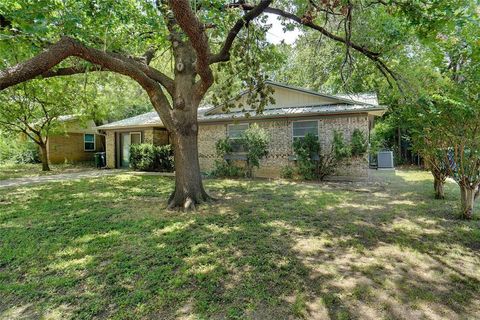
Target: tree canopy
column 175, row 50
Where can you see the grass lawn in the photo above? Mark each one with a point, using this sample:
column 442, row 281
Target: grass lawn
column 106, row 248
column 11, row 171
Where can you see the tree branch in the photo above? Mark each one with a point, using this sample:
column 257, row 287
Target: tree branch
column 373, row 56
column 68, row 71
column 148, row 77
column 253, row 12
column 195, row 31
column 370, row 54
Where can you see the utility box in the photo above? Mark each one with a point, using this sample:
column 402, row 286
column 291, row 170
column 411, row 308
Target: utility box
column 385, row 160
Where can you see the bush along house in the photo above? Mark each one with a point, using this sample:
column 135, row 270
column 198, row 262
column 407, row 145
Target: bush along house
column 294, row 113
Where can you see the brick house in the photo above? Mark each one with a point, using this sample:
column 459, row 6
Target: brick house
column 295, row 113
column 77, row 142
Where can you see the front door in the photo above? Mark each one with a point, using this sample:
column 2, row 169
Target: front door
column 126, row 140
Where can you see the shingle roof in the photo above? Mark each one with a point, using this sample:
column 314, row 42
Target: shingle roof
column 143, row 120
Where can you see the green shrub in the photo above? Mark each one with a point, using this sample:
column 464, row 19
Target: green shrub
column 223, row 147
column 224, row 169
column 341, row 149
column 16, row 150
column 287, row 172
column 314, row 164
column 307, row 150
column 147, row 157
column 359, row 143
column 256, row 143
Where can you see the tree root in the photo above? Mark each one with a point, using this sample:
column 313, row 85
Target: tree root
column 187, row 203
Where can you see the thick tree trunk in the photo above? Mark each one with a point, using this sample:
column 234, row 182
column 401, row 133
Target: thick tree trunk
column 189, row 189
column 467, row 201
column 44, row 157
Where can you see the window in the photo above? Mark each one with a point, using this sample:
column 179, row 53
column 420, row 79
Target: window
column 89, row 141
column 302, row 128
column 235, row 132
column 135, row 137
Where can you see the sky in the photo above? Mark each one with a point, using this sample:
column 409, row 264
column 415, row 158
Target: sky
column 276, row 34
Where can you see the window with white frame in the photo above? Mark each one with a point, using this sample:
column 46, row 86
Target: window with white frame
column 234, row 133
column 89, row 141
column 302, row 128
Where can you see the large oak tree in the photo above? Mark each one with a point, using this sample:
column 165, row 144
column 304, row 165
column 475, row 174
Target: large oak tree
column 53, row 38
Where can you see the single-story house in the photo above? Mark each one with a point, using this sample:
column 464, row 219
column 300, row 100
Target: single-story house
column 295, row 112
column 77, row 141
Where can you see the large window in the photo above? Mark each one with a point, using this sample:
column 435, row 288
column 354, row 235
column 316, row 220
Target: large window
column 235, row 132
column 89, row 141
column 302, row 128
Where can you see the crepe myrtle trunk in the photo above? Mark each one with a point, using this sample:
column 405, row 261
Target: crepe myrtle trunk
column 439, row 180
column 468, row 197
column 44, row 156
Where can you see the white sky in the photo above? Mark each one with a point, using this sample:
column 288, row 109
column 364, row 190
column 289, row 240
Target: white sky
column 276, row 34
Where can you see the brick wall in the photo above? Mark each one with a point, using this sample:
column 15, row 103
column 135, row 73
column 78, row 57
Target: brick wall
column 355, row 167
column 110, row 149
column 208, row 135
column 280, row 146
column 148, row 135
column 70, row 148
column 160, row 137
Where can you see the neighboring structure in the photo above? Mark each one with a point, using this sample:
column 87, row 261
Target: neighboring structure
column 78, row 142
column 295, row 113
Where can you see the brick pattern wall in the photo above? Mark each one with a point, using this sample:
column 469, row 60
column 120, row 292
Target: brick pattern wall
column 280, row 146
column 110, row 149
column 148, row 135
column 160, row 137
column 70, row 148
column 208, row 135
column 355, row 167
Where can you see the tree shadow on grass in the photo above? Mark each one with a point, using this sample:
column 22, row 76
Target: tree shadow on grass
column 268, row 250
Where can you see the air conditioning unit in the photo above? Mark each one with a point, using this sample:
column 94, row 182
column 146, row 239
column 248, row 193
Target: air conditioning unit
column 385, row 160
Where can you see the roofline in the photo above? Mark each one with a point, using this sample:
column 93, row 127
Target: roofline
column 349, row 101
column 140, row 126
column 378, row 110
column 300, row 115
column 308, row 91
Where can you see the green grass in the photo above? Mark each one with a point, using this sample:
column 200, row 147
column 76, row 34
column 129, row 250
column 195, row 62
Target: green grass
column 11, row 171
column 106, row 248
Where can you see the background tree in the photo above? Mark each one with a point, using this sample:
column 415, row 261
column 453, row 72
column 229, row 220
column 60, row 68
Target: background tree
column 34, row 109
column 446, row 118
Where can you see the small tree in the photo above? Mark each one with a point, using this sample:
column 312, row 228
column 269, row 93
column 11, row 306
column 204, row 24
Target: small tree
column 223, row 167
column 440, row 170
column 307, row 150
column 34, row 110
column 312, row 162
column 256, row 143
